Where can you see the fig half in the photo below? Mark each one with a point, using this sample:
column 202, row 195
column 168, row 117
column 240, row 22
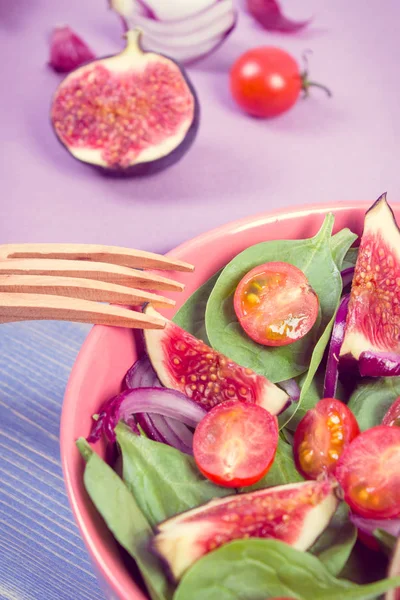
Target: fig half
column 184, row 363
column 135, row 113
column 372, row 332
column 295, row 513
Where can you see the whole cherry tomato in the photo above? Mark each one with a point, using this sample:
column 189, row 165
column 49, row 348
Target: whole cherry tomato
column 267, row 81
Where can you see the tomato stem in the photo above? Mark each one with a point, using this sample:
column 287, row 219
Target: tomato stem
column 307, row 84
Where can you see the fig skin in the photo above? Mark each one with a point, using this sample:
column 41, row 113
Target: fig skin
column 373, row 319
column 148, row 168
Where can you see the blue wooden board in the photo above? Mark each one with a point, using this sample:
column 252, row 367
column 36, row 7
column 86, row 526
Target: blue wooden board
column 42, row 556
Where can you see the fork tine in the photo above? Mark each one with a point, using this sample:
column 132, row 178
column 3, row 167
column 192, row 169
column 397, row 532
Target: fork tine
column 85, row 289
column 109, row 273
column 27, row 307
column 104, row 254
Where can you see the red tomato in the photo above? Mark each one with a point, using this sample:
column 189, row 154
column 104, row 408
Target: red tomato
column 275, row 304
column 369, row 474
column 322, row 435
column 265, row 81
column 235, row 444
column 368, row 541
column 392, row 417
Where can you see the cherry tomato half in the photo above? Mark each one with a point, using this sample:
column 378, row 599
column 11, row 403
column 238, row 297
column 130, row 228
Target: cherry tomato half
column 322, row 435
column 392, row 417
column 369, row 474
column 265, row 81
column 235, row 444
column 275, row 304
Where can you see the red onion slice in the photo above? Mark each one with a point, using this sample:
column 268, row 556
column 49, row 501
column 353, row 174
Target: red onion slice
column 292, row 388
column 168, row 431
column 159, row 401
column 185, row 31
column 391, row 526
column 379, row 364
column 269, row 15
column 332, row 371
column 347, row 276
column 156, row 427
column 141, row 374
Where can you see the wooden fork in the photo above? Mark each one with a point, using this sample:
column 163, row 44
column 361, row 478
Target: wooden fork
column 71, row 282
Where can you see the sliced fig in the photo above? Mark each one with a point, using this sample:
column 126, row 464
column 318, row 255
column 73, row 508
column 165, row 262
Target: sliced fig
column 130, row 114
column 184, row 363
column 295, row 513
column 373, row 319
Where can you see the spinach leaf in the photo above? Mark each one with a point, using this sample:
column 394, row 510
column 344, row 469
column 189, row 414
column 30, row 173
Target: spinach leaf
column 255, row 569
column 313, row 256
column 372, row 398
column 350, row 259
column 334, row 546
column 342, row 254
column 191, row 315
column 293, row 415
column 163, row 480
column 283, row 470
column 386, row 540
column 123, row 517
column 365, row 565
column 315, row 361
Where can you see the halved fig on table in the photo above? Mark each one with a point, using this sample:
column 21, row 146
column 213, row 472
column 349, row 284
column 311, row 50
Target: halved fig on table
column 130, row 114
column 372, row 333
column 184, row 363
column 295, row 513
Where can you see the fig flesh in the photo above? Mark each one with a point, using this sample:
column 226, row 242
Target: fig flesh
column 295, row 513
column 184, row 363
column 373, row 320
column 135, row 113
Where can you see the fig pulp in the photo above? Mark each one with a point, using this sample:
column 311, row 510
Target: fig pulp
column 130, row 114
column 373, row 319
column 295, row 513
column 184, row 363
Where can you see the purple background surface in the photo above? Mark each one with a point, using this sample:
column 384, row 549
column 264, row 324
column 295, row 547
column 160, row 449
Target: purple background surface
column 344, row 148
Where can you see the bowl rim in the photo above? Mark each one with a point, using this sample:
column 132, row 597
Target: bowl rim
column 94, row 335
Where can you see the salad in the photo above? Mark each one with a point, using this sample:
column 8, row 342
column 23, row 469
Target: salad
column 253, row 452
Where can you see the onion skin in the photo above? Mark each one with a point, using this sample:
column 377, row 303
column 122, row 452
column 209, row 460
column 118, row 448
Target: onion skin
column 374, row 364
column 332, row 366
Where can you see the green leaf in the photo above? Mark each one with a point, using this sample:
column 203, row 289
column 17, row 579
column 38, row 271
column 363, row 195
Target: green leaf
column 283, row 470
column 316, row 359
column 313, row 257
column 334, row 546
column 293, row 415
column 365, row 565
column 124, row 518
column 372, row 398
column 164, row 481
column 342, row 254
column 257, row 569
column 386, row 540
column 350, row 259
column 84, row 448
column 191, row 316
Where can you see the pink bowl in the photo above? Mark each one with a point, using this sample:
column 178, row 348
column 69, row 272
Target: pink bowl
column 108, row 353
